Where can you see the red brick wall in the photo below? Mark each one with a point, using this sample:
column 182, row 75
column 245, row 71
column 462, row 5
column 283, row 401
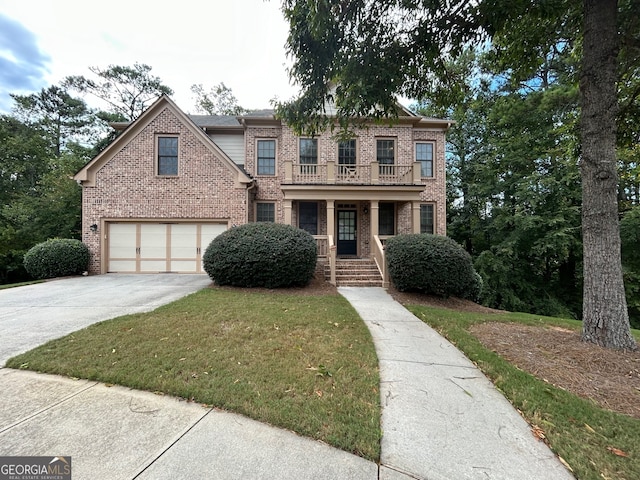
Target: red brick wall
column 128, row 188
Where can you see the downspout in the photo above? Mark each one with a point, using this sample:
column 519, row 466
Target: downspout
column 251, row 186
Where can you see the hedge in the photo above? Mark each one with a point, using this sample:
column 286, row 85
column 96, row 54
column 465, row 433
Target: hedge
column 57, row 257
column 265, row 254
column 432, row 264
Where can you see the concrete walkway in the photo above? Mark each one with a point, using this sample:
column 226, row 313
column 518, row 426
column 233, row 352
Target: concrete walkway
column 442, row 419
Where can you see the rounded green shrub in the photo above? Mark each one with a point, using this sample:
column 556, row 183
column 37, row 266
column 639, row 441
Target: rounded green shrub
column 57, row 257
column 432, row 264
column 265, row 254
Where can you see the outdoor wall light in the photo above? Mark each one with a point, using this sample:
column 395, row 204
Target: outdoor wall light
column 365, row 210
column 94, row 228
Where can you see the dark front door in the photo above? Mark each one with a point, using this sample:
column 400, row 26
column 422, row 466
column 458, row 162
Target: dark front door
column 347, row 237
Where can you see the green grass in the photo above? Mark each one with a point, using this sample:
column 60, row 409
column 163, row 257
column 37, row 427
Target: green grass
column 21, row 284
column 304, row 363
column 577, row 429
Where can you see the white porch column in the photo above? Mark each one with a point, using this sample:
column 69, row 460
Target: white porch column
column 415, row 210
column 287, row 212
column 331, row 218
column 375, row 216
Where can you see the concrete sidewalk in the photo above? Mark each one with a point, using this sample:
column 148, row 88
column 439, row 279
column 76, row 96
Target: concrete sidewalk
column 442, row 419
column 115, row 433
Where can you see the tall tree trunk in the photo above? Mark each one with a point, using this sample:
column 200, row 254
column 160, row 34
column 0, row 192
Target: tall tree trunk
column 605, row 315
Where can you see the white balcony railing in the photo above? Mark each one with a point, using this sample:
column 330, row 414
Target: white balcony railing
column 331, row 173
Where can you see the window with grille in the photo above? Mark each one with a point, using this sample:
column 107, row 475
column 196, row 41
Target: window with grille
column 424, row 155
column 386, row 219
column 167, row 156
column 426, row 218
column 308, row 217
column 385, row 151
column 266, row 157
column 308, row 155
column 265, row 212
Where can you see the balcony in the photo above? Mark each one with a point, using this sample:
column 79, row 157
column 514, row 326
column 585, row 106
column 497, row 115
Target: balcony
column 336, row 174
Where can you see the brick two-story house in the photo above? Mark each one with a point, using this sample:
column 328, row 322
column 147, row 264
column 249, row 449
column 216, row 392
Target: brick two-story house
column 169, row 183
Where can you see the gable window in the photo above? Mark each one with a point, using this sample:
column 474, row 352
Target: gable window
column 424, row 155
column 426, row 218
column 308, row 217
column 308, row 155
column 266, row 157
column 265, row 212
column 167, row 156
column 386, row 219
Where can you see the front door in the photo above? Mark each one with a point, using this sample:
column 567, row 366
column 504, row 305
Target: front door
column 347, row 232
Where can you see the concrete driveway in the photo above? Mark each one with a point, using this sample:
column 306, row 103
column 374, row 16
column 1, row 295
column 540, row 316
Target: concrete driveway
column 34, row 314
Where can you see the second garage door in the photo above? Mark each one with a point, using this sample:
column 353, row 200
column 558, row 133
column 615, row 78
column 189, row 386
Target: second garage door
column 159, row 247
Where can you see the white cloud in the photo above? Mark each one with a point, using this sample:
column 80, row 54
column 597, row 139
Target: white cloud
column 238, row 42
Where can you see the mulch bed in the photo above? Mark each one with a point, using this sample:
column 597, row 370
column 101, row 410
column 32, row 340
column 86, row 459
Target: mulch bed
column 558, row 356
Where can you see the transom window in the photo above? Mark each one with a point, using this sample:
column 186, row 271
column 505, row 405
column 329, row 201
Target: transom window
column 308, row 155
column 167, row 156
column 265, row 212
column 424, row 155
column 386, row 219
column 385, row 151
column 266, row 157
column 426, row 218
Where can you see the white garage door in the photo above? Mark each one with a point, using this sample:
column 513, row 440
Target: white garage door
column 159, row 247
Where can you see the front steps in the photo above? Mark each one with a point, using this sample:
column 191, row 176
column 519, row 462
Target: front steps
column 355, row 272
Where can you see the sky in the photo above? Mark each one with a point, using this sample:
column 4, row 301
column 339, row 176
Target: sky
column 238, row 42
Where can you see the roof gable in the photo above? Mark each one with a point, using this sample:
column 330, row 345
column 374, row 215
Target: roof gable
column 87, row 174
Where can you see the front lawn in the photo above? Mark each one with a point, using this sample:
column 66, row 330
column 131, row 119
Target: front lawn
column 300, row 362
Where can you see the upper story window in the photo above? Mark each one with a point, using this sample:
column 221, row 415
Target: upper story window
column 424, row 155
column 347, row 152
column 167, row 156
column 385, row 151
column 266, row 157
column 308, row 155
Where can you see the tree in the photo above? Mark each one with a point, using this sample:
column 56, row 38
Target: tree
column 630, row 238
column 605, row 315
column 64, row 118
column 376, row 50
column 128, row 91
column 219, row 100
column 24, row 160
column 39, row 152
